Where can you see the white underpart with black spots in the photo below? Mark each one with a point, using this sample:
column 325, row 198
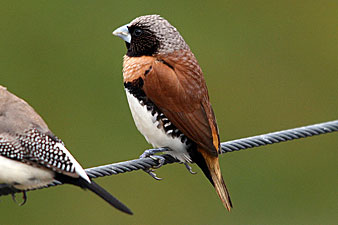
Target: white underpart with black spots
column 29, row 173
column 147, row 124
column 23, row 176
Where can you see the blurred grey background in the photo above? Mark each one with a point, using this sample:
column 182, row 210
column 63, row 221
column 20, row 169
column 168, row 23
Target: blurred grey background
column 269, row 65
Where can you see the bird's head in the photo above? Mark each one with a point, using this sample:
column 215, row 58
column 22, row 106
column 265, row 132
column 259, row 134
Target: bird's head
column 150, row 35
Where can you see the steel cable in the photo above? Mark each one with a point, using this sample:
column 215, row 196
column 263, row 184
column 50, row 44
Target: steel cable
column 229, row 146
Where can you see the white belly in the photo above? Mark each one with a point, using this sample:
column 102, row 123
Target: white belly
column 23, row 176
column 147, row 125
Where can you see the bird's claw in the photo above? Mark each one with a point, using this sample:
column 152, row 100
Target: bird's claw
column 151, row 171
column 160, row 160
column 24, row 197
column 150, row 154
column 152, row 174
column 189, row 168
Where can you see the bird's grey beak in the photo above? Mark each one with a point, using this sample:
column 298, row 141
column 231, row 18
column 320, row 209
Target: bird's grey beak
column 123, row 33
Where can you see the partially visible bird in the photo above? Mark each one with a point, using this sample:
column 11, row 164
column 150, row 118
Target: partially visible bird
column 168, row 96
column 31, row 156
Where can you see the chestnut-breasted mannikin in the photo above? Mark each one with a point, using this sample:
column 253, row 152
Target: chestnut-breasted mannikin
column 31, row 156
column 168, row 96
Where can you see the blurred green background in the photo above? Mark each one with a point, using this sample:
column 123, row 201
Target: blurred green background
column 269, row 65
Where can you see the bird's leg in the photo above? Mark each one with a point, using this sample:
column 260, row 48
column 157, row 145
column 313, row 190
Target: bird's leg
column 24, row 197
column 151, row 154
column 189, row 168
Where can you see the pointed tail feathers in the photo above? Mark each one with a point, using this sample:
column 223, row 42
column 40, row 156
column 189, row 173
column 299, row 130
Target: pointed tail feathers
column 217, row 178
column 94, row 187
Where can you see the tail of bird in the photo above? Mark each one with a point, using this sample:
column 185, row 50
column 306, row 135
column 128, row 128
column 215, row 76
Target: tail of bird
column 215, row 176
column 94, row 187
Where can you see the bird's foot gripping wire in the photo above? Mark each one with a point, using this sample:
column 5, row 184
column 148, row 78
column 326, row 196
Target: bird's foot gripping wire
column 24, row 197
column 150, row 153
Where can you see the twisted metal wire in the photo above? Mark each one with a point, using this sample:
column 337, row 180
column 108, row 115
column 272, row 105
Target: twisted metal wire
column 229, row 146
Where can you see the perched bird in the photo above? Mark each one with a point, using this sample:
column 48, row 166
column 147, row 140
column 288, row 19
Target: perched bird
column 168, row 96
column 31, row 156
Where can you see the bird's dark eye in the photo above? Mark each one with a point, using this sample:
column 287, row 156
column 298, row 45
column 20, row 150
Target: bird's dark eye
column 137, row 32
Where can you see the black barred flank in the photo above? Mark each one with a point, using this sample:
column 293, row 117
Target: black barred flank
column 135, row 88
